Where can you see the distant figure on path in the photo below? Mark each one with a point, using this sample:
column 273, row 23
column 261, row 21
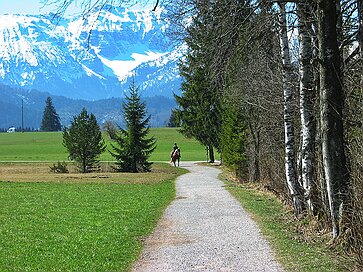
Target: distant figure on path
column 175, row 147
column 175, row 154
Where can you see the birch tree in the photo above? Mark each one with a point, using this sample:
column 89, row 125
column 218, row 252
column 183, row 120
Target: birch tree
column 307, row 97
column 290, row 170
column 331, row 109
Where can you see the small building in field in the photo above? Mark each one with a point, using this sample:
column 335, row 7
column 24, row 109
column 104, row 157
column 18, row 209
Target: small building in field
column 11, row 130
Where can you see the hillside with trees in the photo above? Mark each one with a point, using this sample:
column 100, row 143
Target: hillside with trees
column 105, row 110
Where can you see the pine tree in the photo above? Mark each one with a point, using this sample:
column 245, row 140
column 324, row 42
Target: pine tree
column 234, row 139
column 203, row 72
column 199, row 107
column 174, row 120
column 133, row 148
column 84, row 141
column 51, row 120
column 199, row 104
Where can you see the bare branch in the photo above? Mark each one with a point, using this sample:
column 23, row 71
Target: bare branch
column 156, row 5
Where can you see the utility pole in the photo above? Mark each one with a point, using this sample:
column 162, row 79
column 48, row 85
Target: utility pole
column 22, row 115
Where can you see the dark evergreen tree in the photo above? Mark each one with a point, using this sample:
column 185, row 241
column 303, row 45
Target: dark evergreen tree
column 174, row 120
column 84, row 141
column 133, row 147
column 51, row 120
column 234, row 140
column 199, row 104
column 199, row 110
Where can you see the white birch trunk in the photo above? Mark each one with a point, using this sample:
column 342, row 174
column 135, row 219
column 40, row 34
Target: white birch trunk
column 306, row 103
column 288, row 113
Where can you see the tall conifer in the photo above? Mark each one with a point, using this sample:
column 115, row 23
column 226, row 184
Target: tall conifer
column 51, row 120
column 133, row 148
column 199, row 104
column 234, row 139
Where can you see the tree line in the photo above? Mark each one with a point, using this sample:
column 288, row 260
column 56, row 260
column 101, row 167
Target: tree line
column 131, row 147
column 276, row 88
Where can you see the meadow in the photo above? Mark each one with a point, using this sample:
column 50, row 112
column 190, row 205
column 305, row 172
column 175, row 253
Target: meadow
column 47, row 146
column 90, row 224
column 79, row 222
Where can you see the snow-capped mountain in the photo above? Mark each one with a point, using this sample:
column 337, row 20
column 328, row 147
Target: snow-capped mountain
column 89, row 58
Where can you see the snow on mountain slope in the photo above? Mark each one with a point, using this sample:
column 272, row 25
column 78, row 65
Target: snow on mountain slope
column 89, row 59
column 123, row 68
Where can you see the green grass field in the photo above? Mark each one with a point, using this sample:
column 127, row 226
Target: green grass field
column 93, row 224
column 79, row 222
column 77, row 227
column 47, row 146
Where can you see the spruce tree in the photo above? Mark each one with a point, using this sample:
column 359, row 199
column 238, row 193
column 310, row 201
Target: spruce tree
column 133, row 147
column 234, row 139
column 199, row 107
column 84, row 141
column 51, row 120
column 174, row 120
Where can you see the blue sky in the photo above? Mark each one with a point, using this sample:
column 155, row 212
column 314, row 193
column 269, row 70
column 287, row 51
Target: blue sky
column 18, row 6
column 34, row 6
column 24, row 6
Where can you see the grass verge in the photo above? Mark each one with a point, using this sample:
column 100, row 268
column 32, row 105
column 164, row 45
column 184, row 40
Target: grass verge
column 81, row 225
column 279, row 228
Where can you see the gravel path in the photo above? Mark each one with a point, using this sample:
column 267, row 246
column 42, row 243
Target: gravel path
column 205, row 229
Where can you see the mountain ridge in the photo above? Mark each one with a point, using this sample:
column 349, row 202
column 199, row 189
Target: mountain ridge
column 39, row 54
column 33, row 102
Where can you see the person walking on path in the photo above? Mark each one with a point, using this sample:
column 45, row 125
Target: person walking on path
column 205, row 229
